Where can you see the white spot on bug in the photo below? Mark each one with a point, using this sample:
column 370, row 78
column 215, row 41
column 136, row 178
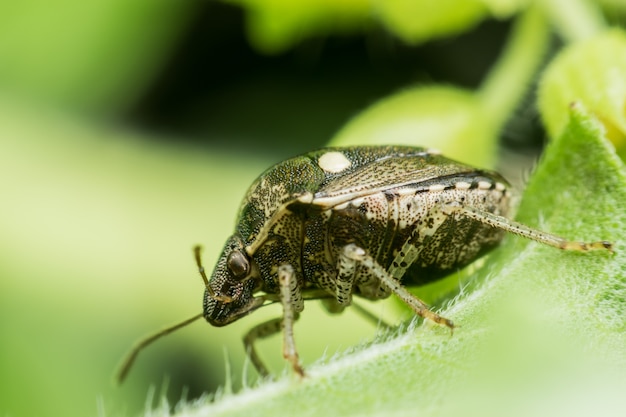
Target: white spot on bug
column 500, row 186
column 357, row 202
column 334, row 162
column 405, row 191
column 484, row 185
column 434, row 151
column 437, row 187
column 306, row 198
column 462, row 185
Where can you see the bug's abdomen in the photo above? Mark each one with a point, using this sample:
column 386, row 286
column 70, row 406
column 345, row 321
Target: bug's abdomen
column 445, row 243
column 456, row 243
column 388, row 224
column 407, row 230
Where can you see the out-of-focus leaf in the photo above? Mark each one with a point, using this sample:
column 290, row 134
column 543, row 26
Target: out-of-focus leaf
column 95, row 56
column 416, row 21
column 592, row 72
column 615, row 5
column 275, row 25
column 445, row 118
column 505, row 8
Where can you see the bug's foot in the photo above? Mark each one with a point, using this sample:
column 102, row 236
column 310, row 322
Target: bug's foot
column 436, row 318
column 299, row 370
column 295, row 365
column 587, row 246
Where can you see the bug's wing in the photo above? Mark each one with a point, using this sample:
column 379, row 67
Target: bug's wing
column 394, row 167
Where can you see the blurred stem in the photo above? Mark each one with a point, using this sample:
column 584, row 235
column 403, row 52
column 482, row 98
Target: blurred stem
column 574, row 20
column 508, row 80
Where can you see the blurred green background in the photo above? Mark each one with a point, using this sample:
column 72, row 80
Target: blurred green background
column 130, row 130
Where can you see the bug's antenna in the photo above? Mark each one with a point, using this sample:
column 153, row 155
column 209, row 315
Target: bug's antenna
column 224, row 298
column 132, row 355
column 196, row 252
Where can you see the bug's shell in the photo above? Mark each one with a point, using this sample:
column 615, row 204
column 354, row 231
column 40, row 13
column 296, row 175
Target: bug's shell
column 302, row 210
column 364, row 221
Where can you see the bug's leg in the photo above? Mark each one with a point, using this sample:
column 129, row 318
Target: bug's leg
column 413, row 246
column 510, row 226
column 358, row 254
column 346, row 273
column 260, row 331
column 291, row 299
column 293, row 303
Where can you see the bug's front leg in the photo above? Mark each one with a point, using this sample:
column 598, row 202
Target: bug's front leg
column 293, row 303
column 291, row 299
column 261, row 331
column 358, row 255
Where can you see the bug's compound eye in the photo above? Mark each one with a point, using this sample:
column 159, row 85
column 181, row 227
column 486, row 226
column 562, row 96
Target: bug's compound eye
column 238, row 264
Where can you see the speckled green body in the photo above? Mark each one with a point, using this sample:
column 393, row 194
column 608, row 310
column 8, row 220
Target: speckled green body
column 389, row 201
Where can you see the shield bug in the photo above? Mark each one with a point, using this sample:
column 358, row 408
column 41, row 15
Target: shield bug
column 358, row 221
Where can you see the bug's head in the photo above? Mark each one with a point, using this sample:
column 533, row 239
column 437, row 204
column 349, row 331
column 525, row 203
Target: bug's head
column 230, row 293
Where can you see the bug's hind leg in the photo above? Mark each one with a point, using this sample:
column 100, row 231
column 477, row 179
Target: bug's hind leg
column 292, row 302
column 359, row 255
column 511, row 226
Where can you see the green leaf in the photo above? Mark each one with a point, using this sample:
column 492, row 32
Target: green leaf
column 613, row 6
column 274, row 26
column 441, row 117
column 464, row 125
column 418, row 21
column 505, row 8
column 542, row 331
column 97, row 56
column 594, row 73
